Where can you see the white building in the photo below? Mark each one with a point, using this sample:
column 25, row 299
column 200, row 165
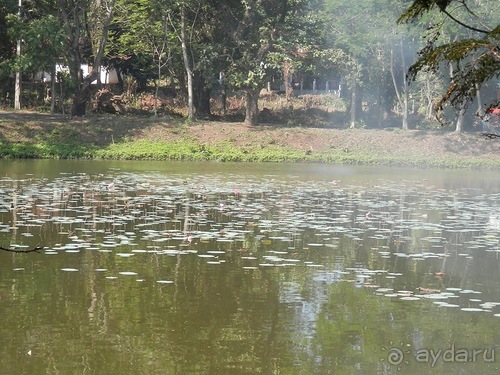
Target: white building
column 108, row 75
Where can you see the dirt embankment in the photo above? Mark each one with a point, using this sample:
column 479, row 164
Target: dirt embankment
column 101, row 130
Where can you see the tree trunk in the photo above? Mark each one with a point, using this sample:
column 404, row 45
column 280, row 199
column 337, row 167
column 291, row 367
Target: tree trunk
column 17, row 92
column 480, row 110
column 78, row 101
column 79, row 104
column 463, row 106
column 287, row 80
column 359, row 102
column 252, row 108
column 203, row 102
column 429, row 97
column 353, row 118
column 405, row 111
column 74, row 27
column 202, row 96
column 459, row 127
column 187, row 65
column 406, row 89
column 53, row 90
column 403, row 95
column 222, row 82
column 224, row 99
column 62, row 97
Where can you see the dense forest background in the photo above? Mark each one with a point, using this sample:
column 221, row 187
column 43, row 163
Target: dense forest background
column 202, row 59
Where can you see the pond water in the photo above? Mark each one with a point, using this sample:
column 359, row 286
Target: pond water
column 210, row 268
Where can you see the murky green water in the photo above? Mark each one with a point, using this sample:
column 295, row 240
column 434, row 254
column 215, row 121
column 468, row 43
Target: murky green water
column 208, row 268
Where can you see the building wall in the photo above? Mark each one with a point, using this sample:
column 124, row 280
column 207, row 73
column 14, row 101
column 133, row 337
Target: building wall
column 108, row 76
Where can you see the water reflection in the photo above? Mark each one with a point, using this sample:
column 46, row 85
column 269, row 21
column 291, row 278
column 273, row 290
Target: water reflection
column 313, row 272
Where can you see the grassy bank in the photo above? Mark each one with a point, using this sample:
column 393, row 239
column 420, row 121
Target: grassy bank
column 128, row 138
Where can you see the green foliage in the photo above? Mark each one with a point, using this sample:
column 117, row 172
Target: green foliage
column 7, row 47
column 250, row 41
column 474, row 52
column 43, row 150
column 225, row 152
column 43, row 42
column 268, row 33
column 339, row 60
column 476, row 66
column 188, row 150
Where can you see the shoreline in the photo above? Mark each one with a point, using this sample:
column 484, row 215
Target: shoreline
column 45, row 136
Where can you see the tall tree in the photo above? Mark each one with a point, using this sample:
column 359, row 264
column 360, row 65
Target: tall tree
column 251, row 42
column 182, row 29
column 37, row 32
column 260, row 28
column 7, row 8
column 350, row 33
column 43, row 44
column 141, row 40
column 76, row 20
column 380, row 49
column 208, row 49
column 187, row 62
column 6, row 48
column 402, row 91
column 185, row 37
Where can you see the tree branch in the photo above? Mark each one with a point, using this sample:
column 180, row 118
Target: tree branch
column 34, row 250
column 463, row 24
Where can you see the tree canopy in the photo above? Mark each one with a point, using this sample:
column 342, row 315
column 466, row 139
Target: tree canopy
column 360, row 52
column 474, row 53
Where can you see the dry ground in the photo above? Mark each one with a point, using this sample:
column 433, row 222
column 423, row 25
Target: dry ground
column 105, row 129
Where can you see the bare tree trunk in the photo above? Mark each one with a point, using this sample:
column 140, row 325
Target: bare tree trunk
column 405, row 108
column 252, row 108
column 461, row 116
column 402, row 96
column 405, row 86
column 53, row 90
column 187, row 65
column 353, row 118
column 480, row 109
column 222, row 82
column 159, row 51
column 17, row 92
column 157, row 84
column 224, row 104
column 287, row 71
column 430, row 102
column 463, row 106
column 61, row 97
